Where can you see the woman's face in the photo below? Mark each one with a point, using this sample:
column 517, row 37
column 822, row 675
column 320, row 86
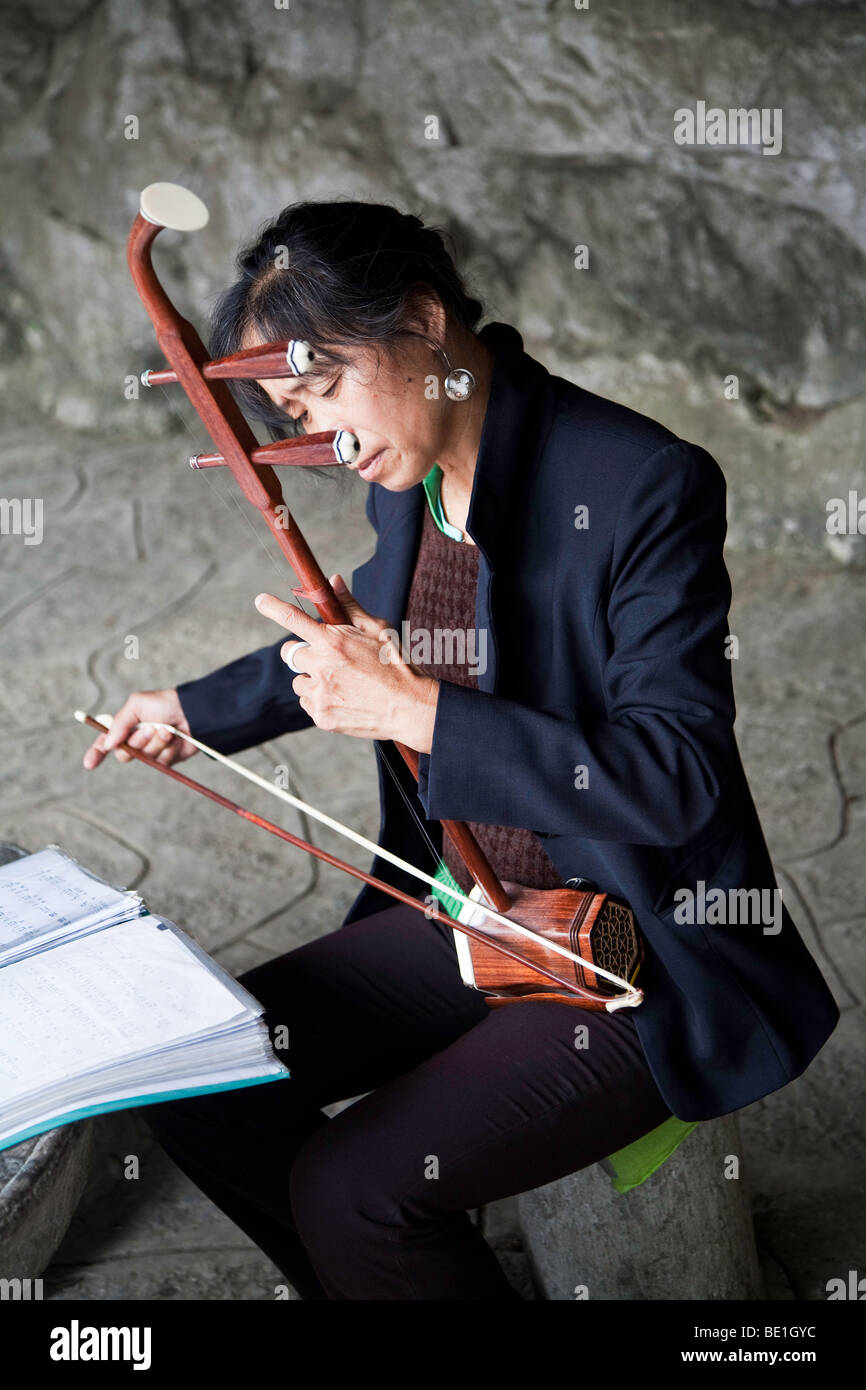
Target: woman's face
column 383, row 399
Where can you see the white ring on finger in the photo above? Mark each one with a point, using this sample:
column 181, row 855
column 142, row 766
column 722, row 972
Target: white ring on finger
column 295, row 647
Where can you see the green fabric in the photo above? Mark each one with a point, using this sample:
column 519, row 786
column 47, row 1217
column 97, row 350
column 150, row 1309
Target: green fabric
column 432, row 485
column 631, row 1166
column 628, row 1167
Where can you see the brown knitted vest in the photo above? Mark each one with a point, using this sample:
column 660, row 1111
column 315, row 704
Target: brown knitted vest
column 442, row 596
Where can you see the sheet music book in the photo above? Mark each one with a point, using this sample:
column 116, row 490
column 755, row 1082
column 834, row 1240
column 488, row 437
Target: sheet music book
column 104, row 1005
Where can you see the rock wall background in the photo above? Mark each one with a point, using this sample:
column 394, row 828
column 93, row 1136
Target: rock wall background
column 555, row 128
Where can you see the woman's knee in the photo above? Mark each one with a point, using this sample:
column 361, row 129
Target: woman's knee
column 186, row 1119
column 340, row 1198
column 212, row 1119
column 320, row 1183
column 272, row 982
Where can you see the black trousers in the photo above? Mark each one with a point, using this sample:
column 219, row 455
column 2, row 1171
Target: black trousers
column 462, row 1105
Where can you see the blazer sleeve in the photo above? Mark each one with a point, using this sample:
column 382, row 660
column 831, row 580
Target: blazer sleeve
column 244, row 703
column 251, row 699
column 658, row 764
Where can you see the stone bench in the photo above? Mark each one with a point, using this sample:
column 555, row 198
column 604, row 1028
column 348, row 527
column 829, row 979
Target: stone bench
column 41, row 1181
column 684, row 1233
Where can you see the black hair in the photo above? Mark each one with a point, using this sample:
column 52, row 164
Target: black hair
column 342, row 273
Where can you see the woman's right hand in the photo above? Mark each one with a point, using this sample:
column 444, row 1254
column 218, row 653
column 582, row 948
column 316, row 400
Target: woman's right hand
column 162, row 705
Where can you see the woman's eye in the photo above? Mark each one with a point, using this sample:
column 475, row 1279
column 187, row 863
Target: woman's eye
column 299, row 420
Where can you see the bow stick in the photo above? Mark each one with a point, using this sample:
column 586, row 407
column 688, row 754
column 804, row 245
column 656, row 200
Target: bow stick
column 632, row 996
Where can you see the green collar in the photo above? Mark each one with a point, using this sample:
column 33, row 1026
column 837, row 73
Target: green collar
column 432, row 485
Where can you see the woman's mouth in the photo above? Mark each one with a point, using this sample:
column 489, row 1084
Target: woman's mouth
column 372, row 466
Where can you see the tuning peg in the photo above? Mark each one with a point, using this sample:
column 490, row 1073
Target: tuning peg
column 299, row 356
column 347, row 446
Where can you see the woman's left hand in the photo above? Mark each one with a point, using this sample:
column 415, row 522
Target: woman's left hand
column 353, row 678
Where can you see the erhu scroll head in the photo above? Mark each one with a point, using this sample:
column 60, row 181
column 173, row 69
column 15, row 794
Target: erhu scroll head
column 173, row 206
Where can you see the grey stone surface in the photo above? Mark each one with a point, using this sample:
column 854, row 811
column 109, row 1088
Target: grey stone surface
column 684, row 1233
column 154, row 1235
column 41, row 1182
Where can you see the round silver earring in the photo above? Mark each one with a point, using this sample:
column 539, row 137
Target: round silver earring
column 459, row 383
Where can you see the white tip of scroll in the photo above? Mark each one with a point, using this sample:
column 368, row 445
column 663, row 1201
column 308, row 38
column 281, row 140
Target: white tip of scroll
column 173, row 206
column 79, row 715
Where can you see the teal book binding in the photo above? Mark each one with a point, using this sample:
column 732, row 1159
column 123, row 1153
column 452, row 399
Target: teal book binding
column 106, row 1107
column 628, row 1167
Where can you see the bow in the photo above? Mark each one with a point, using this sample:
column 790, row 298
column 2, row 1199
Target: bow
column 430, row 910
column 167, row 205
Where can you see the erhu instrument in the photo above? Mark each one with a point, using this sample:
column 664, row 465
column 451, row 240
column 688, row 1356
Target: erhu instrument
column 592, row 936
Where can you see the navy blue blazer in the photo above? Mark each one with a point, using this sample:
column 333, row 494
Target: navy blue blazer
column 606, row 651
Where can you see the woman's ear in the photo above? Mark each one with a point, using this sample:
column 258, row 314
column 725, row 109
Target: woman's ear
column 427, row 316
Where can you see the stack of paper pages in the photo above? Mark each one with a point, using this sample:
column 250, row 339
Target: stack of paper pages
column 103, row 1005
